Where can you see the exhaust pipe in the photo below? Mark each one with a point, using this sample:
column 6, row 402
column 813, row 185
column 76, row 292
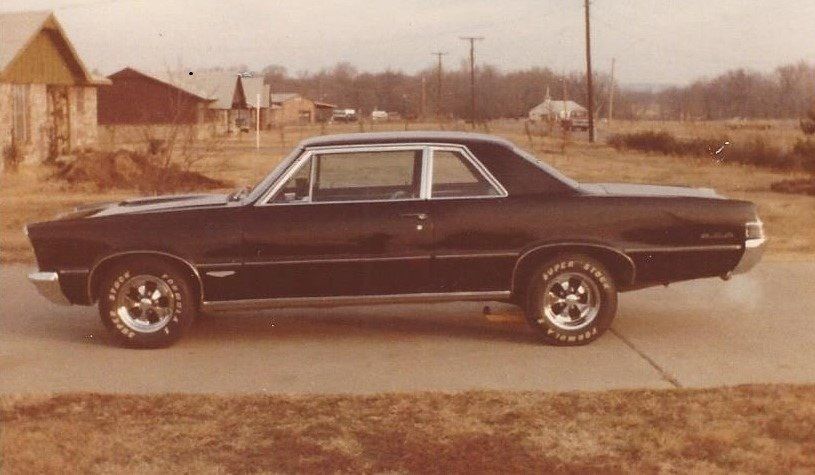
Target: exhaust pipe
column 727, row 275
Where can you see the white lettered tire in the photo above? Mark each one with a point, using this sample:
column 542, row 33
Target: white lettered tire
column 146, row 302
column 571, row 300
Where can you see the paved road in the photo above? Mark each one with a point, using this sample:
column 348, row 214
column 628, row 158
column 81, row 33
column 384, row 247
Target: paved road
column 755, row 328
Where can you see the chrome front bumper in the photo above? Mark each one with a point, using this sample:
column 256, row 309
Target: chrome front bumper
column 753, row 250
column 47, row 284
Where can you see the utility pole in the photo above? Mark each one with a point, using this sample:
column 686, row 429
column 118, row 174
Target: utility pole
column 589, row 84
column 472, row 40
column 611, row 95
column 423, row 105
column 439, row 102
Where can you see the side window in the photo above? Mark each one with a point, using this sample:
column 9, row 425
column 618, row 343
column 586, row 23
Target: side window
column 375, row 175
column 298, row 188
column 455, row 176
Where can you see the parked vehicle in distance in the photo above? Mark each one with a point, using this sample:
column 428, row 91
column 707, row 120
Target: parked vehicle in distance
column 378, row 115
column 344, row 115
column 392, row 217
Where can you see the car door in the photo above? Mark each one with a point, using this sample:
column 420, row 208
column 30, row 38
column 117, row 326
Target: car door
column 346, row 221
column 475, row 239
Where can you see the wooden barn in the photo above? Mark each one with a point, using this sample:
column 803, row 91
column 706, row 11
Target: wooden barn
column 47, row 95
column 138, row 98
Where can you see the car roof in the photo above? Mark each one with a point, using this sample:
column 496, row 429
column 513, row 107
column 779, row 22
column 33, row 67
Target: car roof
column 366, row 138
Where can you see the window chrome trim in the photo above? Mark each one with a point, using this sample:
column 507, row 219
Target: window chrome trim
column 425, row 188
column 479, row 167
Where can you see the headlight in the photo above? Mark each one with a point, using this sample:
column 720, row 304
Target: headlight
column 754, row 230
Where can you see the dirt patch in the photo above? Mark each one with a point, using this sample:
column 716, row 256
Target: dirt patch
column 132, row 170
column 761, row 428
column 801, row 186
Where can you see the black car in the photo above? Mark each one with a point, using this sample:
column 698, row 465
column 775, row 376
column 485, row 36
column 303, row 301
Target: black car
column 392, row 217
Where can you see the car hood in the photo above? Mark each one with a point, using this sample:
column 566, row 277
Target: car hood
column 632, row 189
column 148, row 205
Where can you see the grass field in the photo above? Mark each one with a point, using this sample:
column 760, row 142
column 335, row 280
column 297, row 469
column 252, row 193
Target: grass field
column 754, row 429
column 30, row 195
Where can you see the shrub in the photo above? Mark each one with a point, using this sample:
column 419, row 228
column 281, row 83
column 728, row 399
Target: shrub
column 758, row 151
column 648, row 141
column 804, row 153
column 12, row 156
column 665, row 143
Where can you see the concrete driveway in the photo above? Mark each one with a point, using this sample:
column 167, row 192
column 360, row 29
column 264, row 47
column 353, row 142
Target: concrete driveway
column 755, row 328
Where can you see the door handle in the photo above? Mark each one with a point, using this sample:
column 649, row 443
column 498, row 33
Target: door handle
column 419, row 216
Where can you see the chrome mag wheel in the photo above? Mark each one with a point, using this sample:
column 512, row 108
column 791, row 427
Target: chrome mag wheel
column 571, row 302
column 145, row 303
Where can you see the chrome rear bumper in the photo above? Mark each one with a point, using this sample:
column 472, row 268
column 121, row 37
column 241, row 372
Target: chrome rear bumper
column 47, row 284
column 753, row 250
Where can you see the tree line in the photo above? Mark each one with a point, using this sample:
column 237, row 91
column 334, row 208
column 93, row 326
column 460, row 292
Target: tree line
column 787, row 92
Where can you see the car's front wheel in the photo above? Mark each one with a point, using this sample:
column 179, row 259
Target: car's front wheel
column 571, row 300
column 146, row 302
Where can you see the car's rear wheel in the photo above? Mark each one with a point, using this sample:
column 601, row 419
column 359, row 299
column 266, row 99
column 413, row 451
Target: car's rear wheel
column 571, row 300
column 146, row 303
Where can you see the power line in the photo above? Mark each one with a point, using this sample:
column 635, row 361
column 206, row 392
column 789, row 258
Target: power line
column 472, row 40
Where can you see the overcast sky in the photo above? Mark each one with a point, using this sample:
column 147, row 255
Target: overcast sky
column 654, row 41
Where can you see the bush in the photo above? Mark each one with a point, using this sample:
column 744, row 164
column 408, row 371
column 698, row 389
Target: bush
column 664, row 143
column 753, row 151
column 757, row 151
column 804, row 154
column 12, row 156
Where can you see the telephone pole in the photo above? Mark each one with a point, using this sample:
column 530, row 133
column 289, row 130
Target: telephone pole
column 439, row 73
column 472, row 40
column 611, row 94
column 589, row 84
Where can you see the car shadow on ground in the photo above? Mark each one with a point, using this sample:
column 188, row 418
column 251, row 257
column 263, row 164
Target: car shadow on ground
column 457, row 321
column 452, row 321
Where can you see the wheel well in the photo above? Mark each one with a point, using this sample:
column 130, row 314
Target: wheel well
column 107, row 263
column 621, row 267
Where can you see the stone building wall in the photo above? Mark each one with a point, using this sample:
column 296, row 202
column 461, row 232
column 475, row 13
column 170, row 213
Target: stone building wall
column 84, row 133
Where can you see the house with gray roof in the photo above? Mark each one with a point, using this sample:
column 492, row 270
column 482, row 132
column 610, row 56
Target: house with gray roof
column 557, row 110
column 48, row 97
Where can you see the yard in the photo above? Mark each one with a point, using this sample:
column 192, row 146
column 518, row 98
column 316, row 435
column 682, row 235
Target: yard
column 754, row 429
column 31, row 194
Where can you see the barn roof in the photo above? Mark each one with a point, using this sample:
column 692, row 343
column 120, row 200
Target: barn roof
column 167, row 79
column 17, row 30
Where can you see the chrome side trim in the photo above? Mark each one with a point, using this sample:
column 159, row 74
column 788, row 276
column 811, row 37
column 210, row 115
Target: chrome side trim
column 261, row 304
column 47, row 284
column 484, row 255
column 220, row 273
column 576, row 244
column 187, row 263
column 707, row 247
column 337, row 260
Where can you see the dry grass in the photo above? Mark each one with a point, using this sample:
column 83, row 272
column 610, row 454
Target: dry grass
column 767, row 428
column 28, row 196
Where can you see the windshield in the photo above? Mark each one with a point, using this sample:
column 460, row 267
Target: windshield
column 265, row 183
